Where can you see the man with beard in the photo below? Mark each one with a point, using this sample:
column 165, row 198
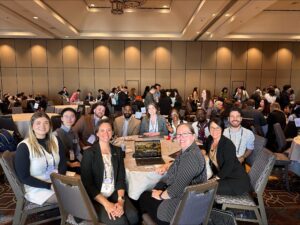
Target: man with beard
column 126, row 125
column 201, row 126
column 242, row 138
column 85, row 127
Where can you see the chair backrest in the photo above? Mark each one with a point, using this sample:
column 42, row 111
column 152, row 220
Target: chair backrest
column 81, row 109
column 50, row 109
column 196, row 204
column 280, row 138
column 7, row 163
column 261, row 170
column 6, row 122
column 72, row 197
column 17, row 109
column 259, row 144
column 56, row 122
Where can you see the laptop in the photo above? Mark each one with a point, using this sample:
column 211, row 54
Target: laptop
column 148, row 152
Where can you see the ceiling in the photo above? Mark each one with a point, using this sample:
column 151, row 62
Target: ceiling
column 183, row 20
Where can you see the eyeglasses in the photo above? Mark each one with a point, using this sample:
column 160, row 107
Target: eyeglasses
column 215, row 128
column 184, row 135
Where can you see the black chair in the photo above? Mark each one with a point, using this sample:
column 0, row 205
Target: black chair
column 56, row 122
column 81, row 109
column 23, row 207
column 259, row 144
column 6, row 122
column 194, row 207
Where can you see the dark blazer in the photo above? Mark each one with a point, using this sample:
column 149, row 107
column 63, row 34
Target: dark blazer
column 92, row 169
column 161, row 123
column 231, row 172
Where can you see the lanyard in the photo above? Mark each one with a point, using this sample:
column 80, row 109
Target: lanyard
column 46, row 158
column 238, row 149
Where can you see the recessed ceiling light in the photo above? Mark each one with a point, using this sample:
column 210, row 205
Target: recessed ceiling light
column 227, row 14
column 232, row 19
column 92, row 5
column 35, row 17
column 198, row 32
column 207, row 32
column 214, row 14
column 66, row 36
column 165, row 6
column 211, row 35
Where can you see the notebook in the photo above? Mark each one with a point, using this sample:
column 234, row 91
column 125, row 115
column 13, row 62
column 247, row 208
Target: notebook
column 148, row 152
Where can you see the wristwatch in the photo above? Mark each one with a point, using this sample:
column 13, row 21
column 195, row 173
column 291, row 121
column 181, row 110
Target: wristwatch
column 121, row 198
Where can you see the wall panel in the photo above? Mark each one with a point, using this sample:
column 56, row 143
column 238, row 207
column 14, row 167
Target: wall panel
column 192, row 79
column 208, row 80
column 9, row 81
column 147, row 79
column 71, row 79
column 7, row 53
column 102, row 80
column 101, row 54
column 283, row 77
column 296, row 56
column 86, row 81
column 148, row 54
column 178, row 81
column 224, row 55
column 222, row 80
column 117, row 54
column 70, row 53
column 86, row 53
column 54, row 53
column 253, row 80
column 132, row 55
column 40, row 81
column 39, row 53
column 239, row 55
column 163, row 77
column 193, row 55
column 24, row 76
column 117, row 77
column 23, row 56
column 270, row 55
column 163, row 55
column 209, row 56
column 178, row 55
column 56, row 82
column 268, row 78
column 295, row 79
column 254, row 60
column 285, row 55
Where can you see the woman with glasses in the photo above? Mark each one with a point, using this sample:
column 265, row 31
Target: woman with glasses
column 70, row 139
column 174, row 122
column 187, row 169
column 37, row 157
column 103, row 175
column 153, row 124
column 233, row 179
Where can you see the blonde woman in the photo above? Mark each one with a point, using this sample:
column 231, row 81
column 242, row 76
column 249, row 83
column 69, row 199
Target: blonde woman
column 37, row 157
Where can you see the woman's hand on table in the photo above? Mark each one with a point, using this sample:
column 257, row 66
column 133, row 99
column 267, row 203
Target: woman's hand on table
column 163, row 169
column 156, row 194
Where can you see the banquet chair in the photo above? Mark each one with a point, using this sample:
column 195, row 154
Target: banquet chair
column 6, row 122
column 194, row 207
column 73, row 199
column 259, row 174
column 259, row 144
column 50, row 109
column 17, row 109
column 24, row 208
column 282, row 159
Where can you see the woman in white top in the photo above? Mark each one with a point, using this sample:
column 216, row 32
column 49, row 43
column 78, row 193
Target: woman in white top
column 174, row 121
column 103, row 175
column 37, row 157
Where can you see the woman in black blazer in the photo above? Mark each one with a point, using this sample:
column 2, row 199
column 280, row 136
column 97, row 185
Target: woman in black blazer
column 233, row 179
column 103, row 175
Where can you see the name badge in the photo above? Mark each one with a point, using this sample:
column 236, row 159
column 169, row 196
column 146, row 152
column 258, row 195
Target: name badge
column 49, row 170
column 75, row 141
column 72, row 155
column 107, row 180
column 91, row 139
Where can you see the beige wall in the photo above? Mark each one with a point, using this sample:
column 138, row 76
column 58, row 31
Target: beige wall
column 44, row 66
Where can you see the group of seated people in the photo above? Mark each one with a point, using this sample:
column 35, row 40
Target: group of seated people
column 85, row 147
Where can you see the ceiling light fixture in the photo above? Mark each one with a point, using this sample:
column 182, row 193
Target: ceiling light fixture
column 92, row 5
column 118, row 6
column 35, row 17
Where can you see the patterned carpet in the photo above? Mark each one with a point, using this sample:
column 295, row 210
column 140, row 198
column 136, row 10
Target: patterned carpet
column 283, row 208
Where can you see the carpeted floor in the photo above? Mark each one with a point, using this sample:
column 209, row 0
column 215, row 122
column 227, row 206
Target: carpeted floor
column 283, row 208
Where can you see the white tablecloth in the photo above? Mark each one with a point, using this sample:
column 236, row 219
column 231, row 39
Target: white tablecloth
column 142, row 178
column 22, row 121
column 295, row 156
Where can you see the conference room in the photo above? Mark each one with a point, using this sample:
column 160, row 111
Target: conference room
column 151, row 67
